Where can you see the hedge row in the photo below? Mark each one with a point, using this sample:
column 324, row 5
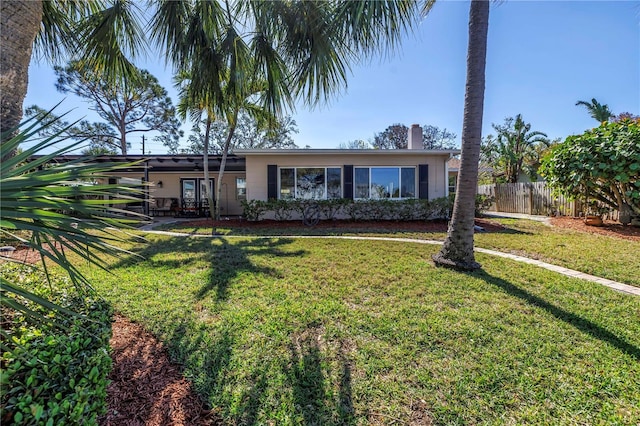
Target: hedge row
column 54, row 373
column 358, row 210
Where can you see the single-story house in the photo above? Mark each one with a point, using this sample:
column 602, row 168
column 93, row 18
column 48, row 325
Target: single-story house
column 177, row 181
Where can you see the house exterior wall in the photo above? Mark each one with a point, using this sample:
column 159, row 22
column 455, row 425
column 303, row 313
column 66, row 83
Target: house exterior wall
column 256, row 166
column 229, row 203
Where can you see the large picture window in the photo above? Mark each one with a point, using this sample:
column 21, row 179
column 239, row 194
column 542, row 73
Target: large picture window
column 313, row 183
column 385, row 182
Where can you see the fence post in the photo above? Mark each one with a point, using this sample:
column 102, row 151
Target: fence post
column 530, row 187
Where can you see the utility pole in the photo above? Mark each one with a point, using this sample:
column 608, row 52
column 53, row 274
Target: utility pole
column 142, row 144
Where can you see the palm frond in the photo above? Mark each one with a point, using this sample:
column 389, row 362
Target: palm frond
column 108, row 37
column 61, row 208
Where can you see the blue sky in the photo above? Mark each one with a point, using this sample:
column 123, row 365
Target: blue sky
column 542, row 57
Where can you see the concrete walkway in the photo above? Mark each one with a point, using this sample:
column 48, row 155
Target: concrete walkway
column 621, row 287
column 537, row 218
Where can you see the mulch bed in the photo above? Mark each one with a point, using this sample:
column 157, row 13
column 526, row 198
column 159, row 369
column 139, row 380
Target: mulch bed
column 609, row 228
column 147, row 389
column 378, row 225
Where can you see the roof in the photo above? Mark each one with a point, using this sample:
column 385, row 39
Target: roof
column 347, row 152
column 163, row 163
column 454, row 166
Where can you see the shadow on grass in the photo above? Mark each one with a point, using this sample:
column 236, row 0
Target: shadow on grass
column 209, row 355
column 584, row 325
column 230, row 260
column 227, row 260
column 308, row 372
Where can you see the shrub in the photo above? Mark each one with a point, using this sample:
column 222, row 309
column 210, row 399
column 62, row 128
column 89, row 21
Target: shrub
column 483, row 202
column 357, row 210
column 601, row 165
column 282, row 209
column 54, row 371
column 254, row 209
column 330, row 209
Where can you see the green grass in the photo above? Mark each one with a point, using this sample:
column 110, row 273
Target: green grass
column 603, row 256
column 600, row 255
column 311, row 331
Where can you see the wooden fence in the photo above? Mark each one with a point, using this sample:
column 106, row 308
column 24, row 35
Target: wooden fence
column 528, row 198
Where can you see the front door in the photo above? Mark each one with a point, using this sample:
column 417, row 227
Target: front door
column 193, row 194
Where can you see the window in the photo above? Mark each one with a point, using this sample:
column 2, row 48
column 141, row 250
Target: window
column 334, row 182
column 408, row 182
column 287, row 184
column 203, row 188
column 189, row 189
column 312, row 183
column 241, row 188
column 384, row 182
column 361, row 182
column 136, row 183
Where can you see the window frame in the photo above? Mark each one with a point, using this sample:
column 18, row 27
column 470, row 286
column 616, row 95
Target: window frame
column 370, row 180
column 242, row 196
column 296, row 196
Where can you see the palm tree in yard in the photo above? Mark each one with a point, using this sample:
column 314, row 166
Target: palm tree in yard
column 101, row 34
column 195, row 106
column 598, row 111
column 514, row 147
column 457, row 251
column 316, row 40
column 320, row 40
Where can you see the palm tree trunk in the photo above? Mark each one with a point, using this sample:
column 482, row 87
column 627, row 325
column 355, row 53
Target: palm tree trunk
column 19, row 24
column 457, row 251
column 223, row 162
column 205, row 166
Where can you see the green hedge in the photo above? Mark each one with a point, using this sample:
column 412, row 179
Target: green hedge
column 357, row 210
column 54, row 374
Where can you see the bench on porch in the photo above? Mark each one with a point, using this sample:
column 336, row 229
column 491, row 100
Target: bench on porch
column 159, row 206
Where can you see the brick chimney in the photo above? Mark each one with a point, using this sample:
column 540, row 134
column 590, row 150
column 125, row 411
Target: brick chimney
column 415, row 137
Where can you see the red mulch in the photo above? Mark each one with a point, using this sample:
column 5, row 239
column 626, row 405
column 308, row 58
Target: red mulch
column 147, row 389
column 609, row 228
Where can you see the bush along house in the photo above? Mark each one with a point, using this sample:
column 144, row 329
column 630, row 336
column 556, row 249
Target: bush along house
column 288, row 176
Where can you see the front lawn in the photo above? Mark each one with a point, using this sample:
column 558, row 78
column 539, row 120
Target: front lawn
column 603, row 256
column 310, row 331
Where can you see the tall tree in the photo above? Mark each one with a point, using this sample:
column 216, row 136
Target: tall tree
column 457, row 250
column 598, row 111
column 303, row 48
column 101, row 33
column 393, row 137
column 355, row 144
column 100, row 138
column 625, row 116
column 248, row 135
column 396, row 137
column 513, row 148
column 19, row 24
column 139, row 105
column 435, row 138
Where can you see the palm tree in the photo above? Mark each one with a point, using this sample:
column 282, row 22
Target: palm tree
column 58, row 208
column 457, row 251
column 600, row 112
column 98, row 33
column 318, row 40
column 514, row 147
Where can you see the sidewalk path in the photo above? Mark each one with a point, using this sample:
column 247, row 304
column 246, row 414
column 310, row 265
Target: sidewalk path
column 537, row 218
column 621, row 287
